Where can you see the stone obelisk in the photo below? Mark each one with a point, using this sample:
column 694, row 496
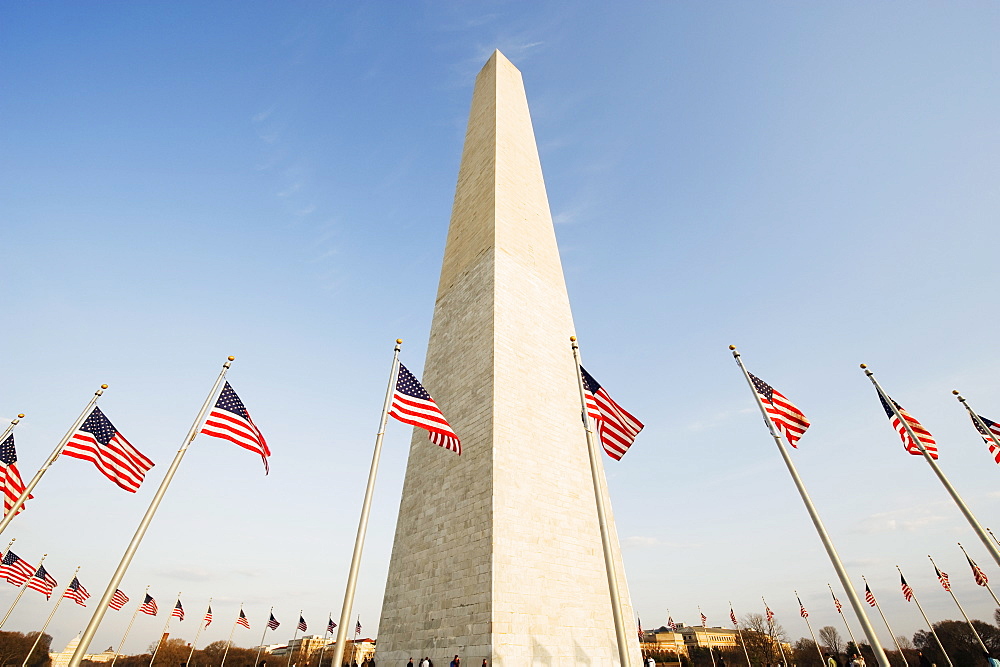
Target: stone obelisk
column 498, row 551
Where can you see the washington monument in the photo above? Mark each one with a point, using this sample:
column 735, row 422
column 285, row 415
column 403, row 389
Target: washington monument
column 497, row 552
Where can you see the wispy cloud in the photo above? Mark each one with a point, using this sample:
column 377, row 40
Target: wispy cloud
column 263, row 115
column 290, row 190
column 896, row 520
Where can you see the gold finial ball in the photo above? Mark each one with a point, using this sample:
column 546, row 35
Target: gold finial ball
column 732, row 347
column 231, row 358
column 104, row 386
column 399, row 341
column 21, row 416
column 572, row 339
column 955, row 391
column 864, row 365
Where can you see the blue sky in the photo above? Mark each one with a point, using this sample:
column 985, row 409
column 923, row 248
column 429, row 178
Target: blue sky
column 816, row 183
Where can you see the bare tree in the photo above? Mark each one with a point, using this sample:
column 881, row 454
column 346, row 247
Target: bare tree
column 831, row 639
column 761, row 637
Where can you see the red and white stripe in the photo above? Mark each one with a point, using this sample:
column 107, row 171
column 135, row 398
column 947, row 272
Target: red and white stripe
column 242, row 432
column 905, row 587
column 119, row 461
column 869, row 596
column 422, row 413
column 616, row 427
column 16, row 570
column 77, row 593
column 43, row 582
column 118, row 600
column 242, row 620
column 923, row 435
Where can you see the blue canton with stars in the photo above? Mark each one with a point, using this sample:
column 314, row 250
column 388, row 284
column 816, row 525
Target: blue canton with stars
column 7, row 453
column 99, row 426
column 763, row 388
column 407, row 384
column 230, row 402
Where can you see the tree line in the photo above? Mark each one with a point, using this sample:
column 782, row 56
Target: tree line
column 765, row 640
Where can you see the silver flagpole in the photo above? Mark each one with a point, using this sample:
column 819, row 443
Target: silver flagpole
column 326, row 633
column 831, row 551
column 165, row 626
column 977, row 419
column 49, row 461
column 595, row 473
column 927, row 621
column 961, row 609
column 740, row 633
column 116, row 578
column 294, row 635
column 13, row 423
column 229, row 641
column 844, row 619
column 359, row 541
column 993, row 536
column 770, row 627
column 196, row 635
column 24, row 587
column 899, row 648
column 256, row 661
column 701, row 615
column 969, row 516
column 805, row 617
column 986, row 584
column 129, row 628
column 49, row 620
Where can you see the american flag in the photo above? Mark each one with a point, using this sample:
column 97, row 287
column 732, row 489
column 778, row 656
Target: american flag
column 732, row 616
column 978, row 574
column 98, row 441
column 330, row 625
column 411, row 404
column 994, row 428
column 302, row 624
column 148, row 606
column 769, row 613
column 638, row 622
column 15, row 570
column 869, row 596
column 905, row 587
column 616, row 427
column 77, row 593
column 10, row 477
column 802, row 610
column 230, row 421
column 178, row 611
column 787, row 418
column 357, row 628
column 208, row 617
column 42, row 582
column 922, row 434
column 836, row 603
column 242, row 620
column 272, row 623
column 943, row 578
column 704, row 620
column 118, row 600
column 671, row 624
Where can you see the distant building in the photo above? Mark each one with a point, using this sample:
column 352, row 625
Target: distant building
column 308, row 645
column 663, row 640
column 62, row 659
column 697, row 636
